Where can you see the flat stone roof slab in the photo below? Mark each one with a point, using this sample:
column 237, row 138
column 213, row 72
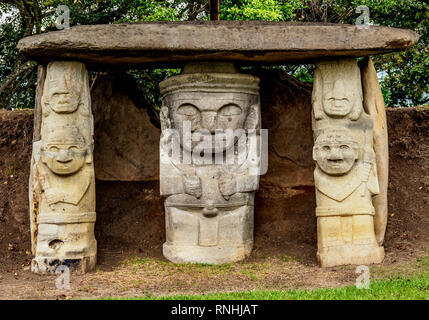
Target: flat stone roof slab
column 173, row 43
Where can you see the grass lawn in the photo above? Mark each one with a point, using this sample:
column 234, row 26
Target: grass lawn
column 401, row 288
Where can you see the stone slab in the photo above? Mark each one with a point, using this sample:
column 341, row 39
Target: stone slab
column 174, row 43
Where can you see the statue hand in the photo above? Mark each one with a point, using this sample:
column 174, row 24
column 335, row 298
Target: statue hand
column 227, row 188
column 192, row 186
column 51, row 198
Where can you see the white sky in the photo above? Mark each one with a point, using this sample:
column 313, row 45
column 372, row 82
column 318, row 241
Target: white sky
column 6, row 14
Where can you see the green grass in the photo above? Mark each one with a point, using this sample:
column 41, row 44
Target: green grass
column 401, row 288
column 423, row 262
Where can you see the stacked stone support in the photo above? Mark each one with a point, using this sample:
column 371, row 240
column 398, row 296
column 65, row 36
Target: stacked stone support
column 62, row 182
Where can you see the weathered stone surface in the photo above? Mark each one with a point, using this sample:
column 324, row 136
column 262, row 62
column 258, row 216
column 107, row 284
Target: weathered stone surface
column 33, row 196
column 126, row 142
column 209, row 205
column 239, row 41
column 373, row 104
column 346, row 172
column 62, row 183
column 286, row 113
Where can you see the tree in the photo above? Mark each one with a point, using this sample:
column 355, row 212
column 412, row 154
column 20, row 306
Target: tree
column 17, row 76
column 405, row 76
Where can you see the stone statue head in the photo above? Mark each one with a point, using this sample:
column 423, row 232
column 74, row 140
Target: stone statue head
column 335, row 151
column 64, row 150
column 65, row 87
column 337, row 90
column 210, row 103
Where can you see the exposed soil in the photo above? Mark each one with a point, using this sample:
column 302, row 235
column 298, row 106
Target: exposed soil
column 130, row 223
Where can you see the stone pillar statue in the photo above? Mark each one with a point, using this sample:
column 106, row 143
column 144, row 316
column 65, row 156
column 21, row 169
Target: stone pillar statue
column 62, row 181
column 346, row 173
column 210, row 185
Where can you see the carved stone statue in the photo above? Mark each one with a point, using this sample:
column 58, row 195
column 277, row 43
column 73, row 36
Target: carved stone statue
column 63, row 182
column 346, row 174
column 209, row 195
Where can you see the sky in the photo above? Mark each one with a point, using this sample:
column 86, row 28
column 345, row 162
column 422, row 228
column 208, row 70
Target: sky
column 6, row 14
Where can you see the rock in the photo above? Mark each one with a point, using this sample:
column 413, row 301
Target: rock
column 286, row 113
column 132, row 44
column 373, row 104
column 126, row 142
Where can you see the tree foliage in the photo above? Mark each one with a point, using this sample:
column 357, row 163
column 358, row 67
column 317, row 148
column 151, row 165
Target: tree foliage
column 405, row 74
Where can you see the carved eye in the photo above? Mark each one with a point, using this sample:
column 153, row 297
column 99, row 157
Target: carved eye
column 344, row 147
column 326, row 148
column 73, row 148
column 53, row 149
column 188, row 110
column 230, row 110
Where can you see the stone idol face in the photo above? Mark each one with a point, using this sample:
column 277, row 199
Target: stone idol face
column 336, row 96
column 335, row 152
column 64, row 84
column 64, row 151
column 346, row 174
column 208, row 163
column 62, row 183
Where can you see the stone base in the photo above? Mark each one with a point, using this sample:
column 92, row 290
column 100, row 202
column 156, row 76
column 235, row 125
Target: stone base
column 45, row 265
column 350, row 254
column 212, row 255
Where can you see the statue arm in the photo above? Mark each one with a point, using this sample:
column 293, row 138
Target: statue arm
column 247, row 183
column 171, row 185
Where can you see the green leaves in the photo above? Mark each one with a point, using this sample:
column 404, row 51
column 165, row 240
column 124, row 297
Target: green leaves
column 405, row 81
column 266, row 10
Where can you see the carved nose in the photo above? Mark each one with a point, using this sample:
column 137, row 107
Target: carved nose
column 208, row 121
column 63, row 156
column 64, row 98
column 335, row 155
column 338, row 89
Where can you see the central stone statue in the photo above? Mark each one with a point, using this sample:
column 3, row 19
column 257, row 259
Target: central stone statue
column 209, row 163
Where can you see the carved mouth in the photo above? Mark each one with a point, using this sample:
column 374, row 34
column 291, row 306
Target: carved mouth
column 64, row 161
column 338, row 103
column 336, row 162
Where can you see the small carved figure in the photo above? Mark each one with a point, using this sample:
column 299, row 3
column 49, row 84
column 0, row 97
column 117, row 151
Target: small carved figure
column 345, row 179
column 337, row 92
column 65, row 88
column 344, row 174
column 65, row 154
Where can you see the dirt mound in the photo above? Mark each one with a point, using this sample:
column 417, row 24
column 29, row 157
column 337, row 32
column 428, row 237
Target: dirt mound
column 16, row 135
column 408, row 193
column 130, row 215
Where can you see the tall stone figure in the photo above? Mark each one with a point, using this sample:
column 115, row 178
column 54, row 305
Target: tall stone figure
column 346, row 171
column 209, row 163
column 62, row 181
